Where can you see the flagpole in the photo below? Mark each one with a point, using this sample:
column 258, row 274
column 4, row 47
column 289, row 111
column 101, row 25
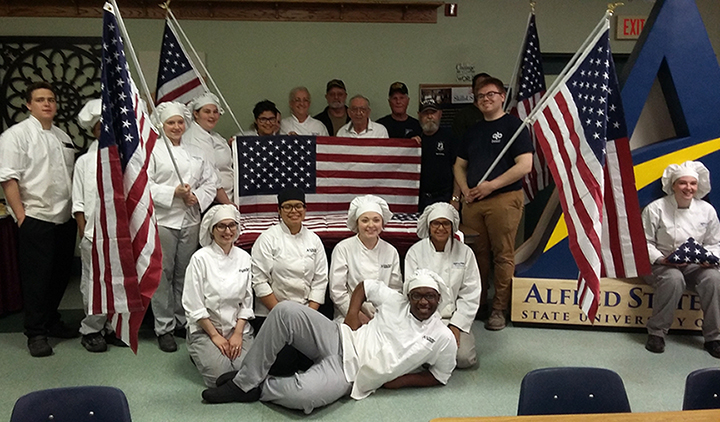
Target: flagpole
column 143, row 83
column 202, row 65
column 513, row 78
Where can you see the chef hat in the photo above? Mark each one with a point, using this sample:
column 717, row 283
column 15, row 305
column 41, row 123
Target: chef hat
column 166, row 110
column 90, row 114
column 362, row 204
column 215, row 215
column 426, row 278
column 432, row 213
column 695, row 169
column 205, row 99
column 290, row 194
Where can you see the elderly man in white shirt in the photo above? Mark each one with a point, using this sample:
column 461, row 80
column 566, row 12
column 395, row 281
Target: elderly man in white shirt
column 668, row 223
column 300, row 122
column 36, row 165
column 405, row 345
column 360, row 125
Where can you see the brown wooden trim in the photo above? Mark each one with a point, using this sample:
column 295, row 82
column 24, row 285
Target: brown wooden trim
column 238, row 10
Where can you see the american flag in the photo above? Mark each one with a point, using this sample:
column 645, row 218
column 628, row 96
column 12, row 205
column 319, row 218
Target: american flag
column 126, row 254
column 177, row 78
column 331, row 171
column 526, row 91
column 692, row 252
column 580, row 123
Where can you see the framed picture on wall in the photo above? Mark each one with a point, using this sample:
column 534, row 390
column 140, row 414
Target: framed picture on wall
column 451, row 98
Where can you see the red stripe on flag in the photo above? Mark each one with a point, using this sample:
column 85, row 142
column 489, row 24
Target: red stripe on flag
column 179, row 91
column 356, row 158
column 399, row 175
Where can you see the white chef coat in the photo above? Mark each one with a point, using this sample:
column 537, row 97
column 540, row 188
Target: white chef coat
column 171, row 212
column 394, row 343
column 458, row 267
column 218, row 287
column 667, row 226
column 84, row 188
column 293, row 267
column 352, row 263
column 42, row 163
column 310, row 126
column 373, row 130
column 217, row 153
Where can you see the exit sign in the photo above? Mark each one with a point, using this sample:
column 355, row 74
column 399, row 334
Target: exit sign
column 629, row 27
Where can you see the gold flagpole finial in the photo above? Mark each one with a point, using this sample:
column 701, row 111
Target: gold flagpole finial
column 610, row 7
column 166, row 5
column 532, row 5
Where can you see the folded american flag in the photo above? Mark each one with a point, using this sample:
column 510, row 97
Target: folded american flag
column 692, row 252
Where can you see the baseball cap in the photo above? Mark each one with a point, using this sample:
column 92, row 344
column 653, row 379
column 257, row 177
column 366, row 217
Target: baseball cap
column 398, row 87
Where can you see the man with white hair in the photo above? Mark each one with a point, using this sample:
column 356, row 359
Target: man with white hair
column 360, row 125
column 404, row 345
column 300, row 122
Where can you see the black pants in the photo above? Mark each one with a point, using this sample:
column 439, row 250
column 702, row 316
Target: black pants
column 429, row 198
column 45, row 254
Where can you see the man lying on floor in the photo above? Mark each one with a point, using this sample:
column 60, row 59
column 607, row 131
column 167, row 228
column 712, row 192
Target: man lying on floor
column 404, row 345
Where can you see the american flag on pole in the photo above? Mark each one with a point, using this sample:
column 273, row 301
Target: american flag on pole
column 579, row 128
column 331, row 171
column 527, row 90
column 177, row 78
column 126, row 254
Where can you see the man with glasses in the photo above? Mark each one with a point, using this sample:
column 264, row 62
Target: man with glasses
column 494, row 207
column 335, row 114
column 404, row 345
column 360, row 125
column 398, row 123
column 300, row 122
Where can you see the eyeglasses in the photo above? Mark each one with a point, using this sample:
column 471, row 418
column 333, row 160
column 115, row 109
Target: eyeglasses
column 430, row 297
column 489, row 95
column 222, row 226
column 359, row 110
column 436, row 224
column 266, row 119
column 290, row 207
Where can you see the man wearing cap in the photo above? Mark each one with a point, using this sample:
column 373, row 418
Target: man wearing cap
column 438, row 156
column 300, row 122
column 468, row 116
column 405, row 345
column 335, row 114
column 36, row 165
column 398, row 123
column 360, row 125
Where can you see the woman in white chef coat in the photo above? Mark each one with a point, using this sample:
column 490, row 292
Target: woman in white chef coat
column 218, row 296
column 364, row 256
column 455, row 262
column 177, row 209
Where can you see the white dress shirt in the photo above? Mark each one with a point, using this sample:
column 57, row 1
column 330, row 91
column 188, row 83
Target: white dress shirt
column 310, row 126
column 373, row 130
column 217, row 153
column 42, row 163
column 292, row 266
column 458, row 267
column 218, row 287
column 84, row 189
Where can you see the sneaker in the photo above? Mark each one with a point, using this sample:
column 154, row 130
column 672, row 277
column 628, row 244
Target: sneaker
column 713, row 347
column 94, row 343
column 111, row 339
column 60, row 330
column 230, row 392
column 496, row 321
column 656, row 344
column 39, row 347
column 227, row 376
column 167, row 343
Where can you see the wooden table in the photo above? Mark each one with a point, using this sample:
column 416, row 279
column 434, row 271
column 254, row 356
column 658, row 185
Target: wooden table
column 712, row 415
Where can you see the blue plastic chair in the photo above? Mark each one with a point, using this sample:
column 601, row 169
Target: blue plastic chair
column 572, row 390
column 702, row 389
column 73, row 404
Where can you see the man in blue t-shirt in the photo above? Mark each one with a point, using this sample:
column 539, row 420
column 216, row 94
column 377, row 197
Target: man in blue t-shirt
column 494, row 207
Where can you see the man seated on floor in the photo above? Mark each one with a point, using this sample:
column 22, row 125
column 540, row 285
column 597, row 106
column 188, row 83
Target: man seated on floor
column 405, row 345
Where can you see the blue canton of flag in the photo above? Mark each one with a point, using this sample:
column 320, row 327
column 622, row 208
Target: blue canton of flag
column 692, row 252
column 177, row 79
column 269, row 165
column 532, row 77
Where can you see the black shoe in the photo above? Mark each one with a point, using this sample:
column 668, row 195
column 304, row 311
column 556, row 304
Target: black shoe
column 94, row 343
column 39, row 347
column 227, row 376
column 111, row 339
column 713, row 347
column 229, row 392
column 167, row 343
column 180, row 332
column 655, row 344
column 483, row 312
column 60, row 330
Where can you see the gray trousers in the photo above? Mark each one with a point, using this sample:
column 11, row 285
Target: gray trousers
column 91, row 323
column 177, row 248
column 466, row 354
column 670, row 283
column 312, row 334
column 209, row 360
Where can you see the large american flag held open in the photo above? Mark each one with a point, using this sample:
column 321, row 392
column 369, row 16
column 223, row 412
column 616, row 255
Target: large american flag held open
column 126, row 254
column 331, row 171
column 177, row 79
column 579, row 129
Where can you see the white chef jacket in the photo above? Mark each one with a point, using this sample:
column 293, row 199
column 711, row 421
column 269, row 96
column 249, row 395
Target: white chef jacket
column 310, row 126
column 218, row 287
column 42, row 163
column 458, row 267
column 667, row 226
column 352, row 263
column 171, row 212
column 84, row 189
column 217, row 153
column 293, row 267
column 373, row 130
column 394, row 343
